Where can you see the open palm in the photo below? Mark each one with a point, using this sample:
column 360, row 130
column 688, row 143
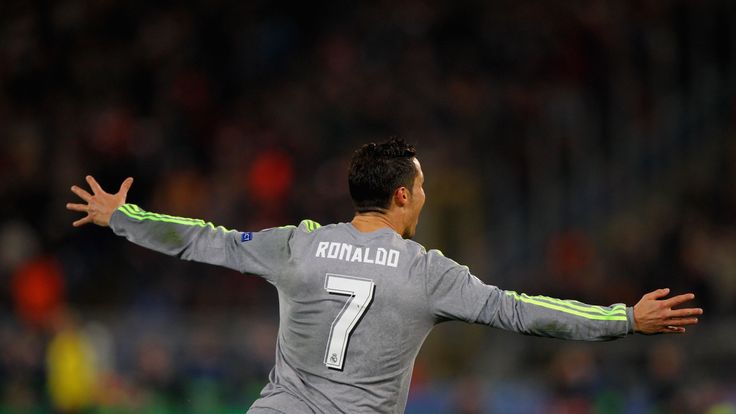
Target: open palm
column 99, row 205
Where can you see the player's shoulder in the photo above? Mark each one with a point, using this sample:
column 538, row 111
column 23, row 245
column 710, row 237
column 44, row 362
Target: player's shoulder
column 309, row 226
column 414, row 247
column 300, row 233
column 421, row 250
column 433, row 258
column 304, row 226
column 421, row 253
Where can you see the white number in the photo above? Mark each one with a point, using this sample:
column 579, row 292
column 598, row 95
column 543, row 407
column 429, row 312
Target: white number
column 361, row 296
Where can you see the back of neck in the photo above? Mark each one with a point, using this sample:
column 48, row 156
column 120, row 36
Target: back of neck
column 372, row 221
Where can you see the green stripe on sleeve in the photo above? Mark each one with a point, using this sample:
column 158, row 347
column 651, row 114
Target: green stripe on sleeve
column 615, row 309
column 135, row 212
column 565, row 308
column 310, row 225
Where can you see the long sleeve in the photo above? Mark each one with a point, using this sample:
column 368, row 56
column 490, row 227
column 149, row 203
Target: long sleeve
column 455, row 294
column 261, row 253
column 556, row 318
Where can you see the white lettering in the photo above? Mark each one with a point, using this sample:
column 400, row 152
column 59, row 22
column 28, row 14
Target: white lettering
column 357, row 255
column 345, row 251
column 381, row 256
column 393, row 258
column 349, row 253
column 365, row 258
column 333, row 250
column 321, row 249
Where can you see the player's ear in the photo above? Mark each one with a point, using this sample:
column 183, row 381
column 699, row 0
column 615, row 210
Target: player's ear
column 401, row 196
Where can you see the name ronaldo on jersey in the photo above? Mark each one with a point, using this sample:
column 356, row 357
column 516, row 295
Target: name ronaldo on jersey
column 349, row 253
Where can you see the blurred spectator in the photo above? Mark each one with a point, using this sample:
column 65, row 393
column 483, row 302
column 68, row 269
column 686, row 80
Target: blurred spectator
column 666, row 377
column 72, row 373
column 573, row 380
column 38, row 288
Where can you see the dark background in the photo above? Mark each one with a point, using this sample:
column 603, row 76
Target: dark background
column 579, row 149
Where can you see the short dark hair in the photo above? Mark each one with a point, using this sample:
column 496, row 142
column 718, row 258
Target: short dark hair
column 376, row 170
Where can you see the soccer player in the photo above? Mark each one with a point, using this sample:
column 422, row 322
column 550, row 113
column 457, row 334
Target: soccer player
column 358, row 299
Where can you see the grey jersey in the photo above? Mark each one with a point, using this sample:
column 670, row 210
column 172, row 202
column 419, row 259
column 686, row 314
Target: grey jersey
column 356, row 307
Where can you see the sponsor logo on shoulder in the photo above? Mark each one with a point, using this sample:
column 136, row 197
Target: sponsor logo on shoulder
column 247, row 236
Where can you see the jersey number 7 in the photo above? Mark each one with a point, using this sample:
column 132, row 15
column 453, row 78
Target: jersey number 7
column 361, row 295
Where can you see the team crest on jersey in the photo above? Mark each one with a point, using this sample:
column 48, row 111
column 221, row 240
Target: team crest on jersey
column 247, row 236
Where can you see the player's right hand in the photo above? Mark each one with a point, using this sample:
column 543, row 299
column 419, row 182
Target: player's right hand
column 99, row 205
column 653, row 315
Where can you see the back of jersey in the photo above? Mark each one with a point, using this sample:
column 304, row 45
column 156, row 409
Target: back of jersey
column 353, row 315
column 356, row 307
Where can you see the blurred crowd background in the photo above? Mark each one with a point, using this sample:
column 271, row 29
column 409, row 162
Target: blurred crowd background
column 580, row 149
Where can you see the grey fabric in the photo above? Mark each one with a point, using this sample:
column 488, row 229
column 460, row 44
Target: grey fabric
column 403, row 289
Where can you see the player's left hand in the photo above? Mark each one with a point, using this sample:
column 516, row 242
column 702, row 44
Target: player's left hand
column 654, row 314
column 100, row 205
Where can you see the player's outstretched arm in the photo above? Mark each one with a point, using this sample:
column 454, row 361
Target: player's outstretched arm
column 569, row 319
column 99, row 205
column 189, row 239
column 653, row 314
column 455, row 294
column 186, row 238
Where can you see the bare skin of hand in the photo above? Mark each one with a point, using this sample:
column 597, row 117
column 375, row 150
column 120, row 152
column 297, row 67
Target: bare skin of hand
column 99, row 205
column 654, row 314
